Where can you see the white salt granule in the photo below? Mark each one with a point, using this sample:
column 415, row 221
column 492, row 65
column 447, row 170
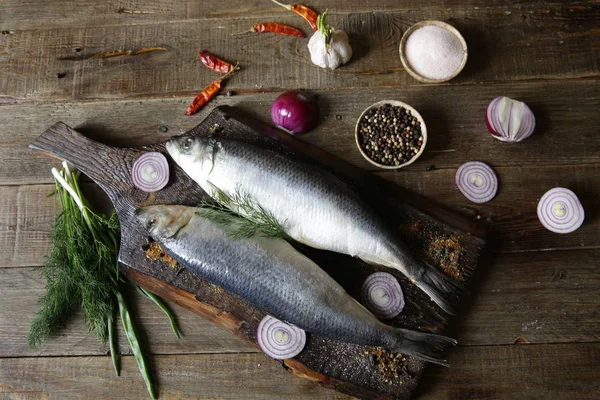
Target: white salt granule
column 433, row 52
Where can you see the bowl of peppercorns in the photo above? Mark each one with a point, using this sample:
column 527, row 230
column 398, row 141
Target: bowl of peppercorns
column 391, row 134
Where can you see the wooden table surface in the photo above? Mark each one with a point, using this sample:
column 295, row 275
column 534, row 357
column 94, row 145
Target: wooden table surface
column 532, row 326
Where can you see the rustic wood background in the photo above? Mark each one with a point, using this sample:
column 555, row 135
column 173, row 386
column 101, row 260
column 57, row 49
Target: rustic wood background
column 532, row 329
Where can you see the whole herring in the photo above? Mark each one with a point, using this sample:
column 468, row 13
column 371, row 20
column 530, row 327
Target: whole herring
column 312, row 206
column 329, row 48
column 270, row 274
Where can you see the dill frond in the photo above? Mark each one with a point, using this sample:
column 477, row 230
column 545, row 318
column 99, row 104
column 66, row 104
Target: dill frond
column 241, row 216
column 82, row 272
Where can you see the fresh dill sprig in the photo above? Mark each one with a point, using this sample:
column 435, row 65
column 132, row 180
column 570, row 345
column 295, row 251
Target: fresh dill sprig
column 241, row 216
column 82, row 272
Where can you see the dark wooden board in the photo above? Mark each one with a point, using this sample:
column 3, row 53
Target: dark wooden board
column 349, row 368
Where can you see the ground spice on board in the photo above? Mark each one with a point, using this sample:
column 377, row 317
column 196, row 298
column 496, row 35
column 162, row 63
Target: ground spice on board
column 155, row 252
column 390, row 135
column 434, row 52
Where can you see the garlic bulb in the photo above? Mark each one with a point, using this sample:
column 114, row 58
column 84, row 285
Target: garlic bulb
column 329, row 48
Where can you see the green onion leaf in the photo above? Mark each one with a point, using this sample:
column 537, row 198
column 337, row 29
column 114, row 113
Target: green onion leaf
column 158, row 301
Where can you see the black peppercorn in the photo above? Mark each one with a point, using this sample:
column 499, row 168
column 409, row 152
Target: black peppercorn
column 397, row 135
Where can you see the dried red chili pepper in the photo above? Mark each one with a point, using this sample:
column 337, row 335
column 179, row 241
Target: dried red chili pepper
column 309, row 15
column 207, row 94
column 215, row 63
column 274, row 27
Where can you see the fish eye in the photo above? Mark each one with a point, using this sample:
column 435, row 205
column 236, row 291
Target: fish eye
column 151, row 222
column 187, row 143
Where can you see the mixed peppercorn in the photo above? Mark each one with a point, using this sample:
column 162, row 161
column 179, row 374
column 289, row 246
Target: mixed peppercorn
column 390, row 135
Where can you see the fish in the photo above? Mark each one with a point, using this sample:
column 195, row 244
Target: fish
column 272, row 275
column 313, row 206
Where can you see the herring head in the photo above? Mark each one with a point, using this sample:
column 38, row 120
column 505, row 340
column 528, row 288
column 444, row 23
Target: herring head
column 192, row 154
column 164, row 222
column 186, row 150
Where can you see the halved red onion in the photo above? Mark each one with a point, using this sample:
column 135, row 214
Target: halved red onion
column 280, row 340
column 382, row 295
column 560, row 211
column 509, row 120
column 476, row 181
column 150, row 172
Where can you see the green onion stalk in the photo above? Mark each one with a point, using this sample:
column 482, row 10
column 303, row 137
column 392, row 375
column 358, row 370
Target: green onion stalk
column 82, row 272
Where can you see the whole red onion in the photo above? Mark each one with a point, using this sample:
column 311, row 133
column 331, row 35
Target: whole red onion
column 295, row 111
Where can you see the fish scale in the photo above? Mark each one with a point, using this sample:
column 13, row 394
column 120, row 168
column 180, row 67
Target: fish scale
column 273, row 276
column 313, row 206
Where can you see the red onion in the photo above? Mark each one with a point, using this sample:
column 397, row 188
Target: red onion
column 280, row 340
column 509, row 120
column 476, row 181
column 295, row 111
column 382, row 295
column 560, row 211
column 150, row 172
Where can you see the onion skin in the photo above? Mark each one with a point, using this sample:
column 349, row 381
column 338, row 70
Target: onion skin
column 295, row 111
column 509, row 120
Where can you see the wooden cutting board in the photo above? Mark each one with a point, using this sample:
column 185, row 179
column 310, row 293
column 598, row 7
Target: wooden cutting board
column 442, row 238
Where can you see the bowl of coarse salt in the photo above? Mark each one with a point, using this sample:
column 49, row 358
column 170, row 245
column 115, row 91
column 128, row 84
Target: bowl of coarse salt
column 433, row 51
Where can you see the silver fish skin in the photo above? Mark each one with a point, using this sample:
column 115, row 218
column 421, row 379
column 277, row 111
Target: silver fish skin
column 314, row 207
column 273, row 276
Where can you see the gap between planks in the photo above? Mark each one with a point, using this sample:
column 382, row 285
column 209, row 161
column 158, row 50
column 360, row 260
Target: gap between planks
column 189, row 94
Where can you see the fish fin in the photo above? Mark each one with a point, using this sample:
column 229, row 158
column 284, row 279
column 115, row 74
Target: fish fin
column 439, row 287
column 425, row 346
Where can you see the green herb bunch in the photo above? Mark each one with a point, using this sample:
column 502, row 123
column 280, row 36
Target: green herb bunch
column 241, row 216
column 82, row 272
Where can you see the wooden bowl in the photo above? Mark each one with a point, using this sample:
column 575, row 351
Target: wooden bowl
column 413, row 112
column 441, row 24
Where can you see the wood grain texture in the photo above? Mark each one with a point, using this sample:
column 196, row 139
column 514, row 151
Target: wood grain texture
column 544, row 297
column 517, row 372
column 30, row 14
column 21, row 288
column 455, row 118
column 531, row 291
column 491, row 372
column 511, row 43
column 322, row 359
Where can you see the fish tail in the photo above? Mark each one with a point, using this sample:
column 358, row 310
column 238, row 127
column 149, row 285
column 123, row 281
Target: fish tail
column 439, row 287
column 425, row 346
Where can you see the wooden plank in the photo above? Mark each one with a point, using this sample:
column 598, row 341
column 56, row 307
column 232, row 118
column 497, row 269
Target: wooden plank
column 454, row 116
column 526, row 44
column 31, row 14
column 541, row 297
column 493, row 372
column 21, row 288
column 517, row 372
column 219, row 376
column 545, row 297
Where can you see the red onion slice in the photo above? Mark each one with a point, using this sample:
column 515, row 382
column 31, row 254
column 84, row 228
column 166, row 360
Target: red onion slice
column 476, row 181
column 560, row 211
column 382, row 295
column 280, row 340
column 150, row 172
column 509, row 120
